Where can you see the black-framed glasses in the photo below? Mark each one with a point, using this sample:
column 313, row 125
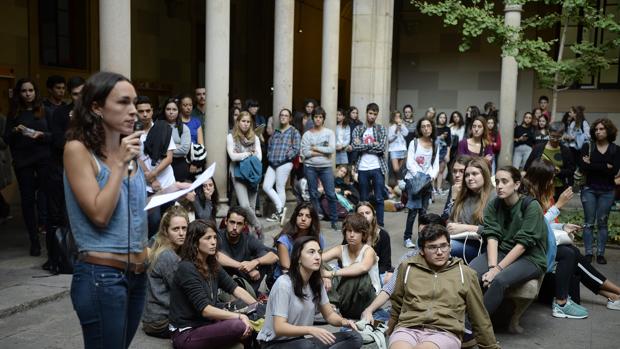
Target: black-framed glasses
column 435, row 248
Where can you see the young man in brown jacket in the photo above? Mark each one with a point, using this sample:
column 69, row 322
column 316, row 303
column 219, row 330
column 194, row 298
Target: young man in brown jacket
column 433, row 294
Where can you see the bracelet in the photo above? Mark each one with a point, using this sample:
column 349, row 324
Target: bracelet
column 491, row 266
column 499, row 267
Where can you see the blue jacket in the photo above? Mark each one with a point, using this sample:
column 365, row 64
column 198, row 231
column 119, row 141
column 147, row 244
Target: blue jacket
column 249, row 171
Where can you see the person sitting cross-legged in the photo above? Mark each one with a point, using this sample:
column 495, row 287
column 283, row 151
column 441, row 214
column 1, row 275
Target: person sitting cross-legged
column 243, row 254
column 433, row 281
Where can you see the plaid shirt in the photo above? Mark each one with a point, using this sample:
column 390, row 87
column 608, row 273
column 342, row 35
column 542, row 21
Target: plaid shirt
column 283, row 147
column 377, row 148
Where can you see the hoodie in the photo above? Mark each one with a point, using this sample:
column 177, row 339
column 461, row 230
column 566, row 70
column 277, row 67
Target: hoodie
column 440, row 299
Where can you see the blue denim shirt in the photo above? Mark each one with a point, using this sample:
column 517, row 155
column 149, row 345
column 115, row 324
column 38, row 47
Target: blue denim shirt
column 113, row 237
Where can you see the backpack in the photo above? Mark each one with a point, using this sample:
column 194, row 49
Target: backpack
column 63, row 251
column 551, row 244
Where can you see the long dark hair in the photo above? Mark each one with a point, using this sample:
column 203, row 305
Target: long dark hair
column 345, row 119
column 538, row 182
column 18, row 105
column 461, row 120
column 209, row 266
column 579, row 116
column 291, row 229
column 315, row 281
column 86, row 126
column 215, row 198
column 162, row 113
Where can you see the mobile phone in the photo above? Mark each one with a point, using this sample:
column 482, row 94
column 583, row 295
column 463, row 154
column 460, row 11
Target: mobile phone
column 138, row 126
column 576, row 188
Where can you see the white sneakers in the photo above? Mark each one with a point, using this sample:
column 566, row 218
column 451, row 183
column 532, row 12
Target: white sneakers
column 409, row 244
column 613, row 305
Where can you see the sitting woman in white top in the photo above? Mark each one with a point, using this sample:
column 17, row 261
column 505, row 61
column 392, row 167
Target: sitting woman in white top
column 293, row 301
column 359, row 280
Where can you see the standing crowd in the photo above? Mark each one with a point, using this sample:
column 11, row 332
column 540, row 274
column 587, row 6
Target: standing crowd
column 93, row 164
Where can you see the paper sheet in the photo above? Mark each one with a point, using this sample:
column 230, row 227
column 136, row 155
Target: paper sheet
column 160, row 199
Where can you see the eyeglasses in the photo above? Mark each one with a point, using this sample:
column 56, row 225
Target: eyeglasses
column 435, row 248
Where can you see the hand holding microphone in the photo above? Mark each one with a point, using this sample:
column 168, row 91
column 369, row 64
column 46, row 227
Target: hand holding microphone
column 130, row 145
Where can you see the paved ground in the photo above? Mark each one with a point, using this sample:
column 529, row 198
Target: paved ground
column 36, row 312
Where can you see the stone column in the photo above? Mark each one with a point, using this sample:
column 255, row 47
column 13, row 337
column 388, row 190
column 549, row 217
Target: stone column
column 508, row 92
column 329, row 63
column 217, row 50
column 371, row 55
column 283, row 43
column 115, row 36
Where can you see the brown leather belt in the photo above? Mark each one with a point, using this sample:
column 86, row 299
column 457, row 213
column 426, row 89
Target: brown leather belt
column 136, row 268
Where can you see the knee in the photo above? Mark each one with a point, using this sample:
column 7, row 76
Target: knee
column 237, row 327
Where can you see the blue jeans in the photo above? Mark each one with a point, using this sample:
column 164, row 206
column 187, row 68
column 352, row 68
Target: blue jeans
column 469, row 251
column 596, row 204
column 99, row 297
column 413, row 212
column 378, row 184
column 326, row 175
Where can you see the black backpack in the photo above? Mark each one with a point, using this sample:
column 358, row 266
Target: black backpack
column 63, row 251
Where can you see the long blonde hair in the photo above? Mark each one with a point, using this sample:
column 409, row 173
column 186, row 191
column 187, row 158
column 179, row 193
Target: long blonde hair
column 238, row 135
column 465, row 192
column 162, row 240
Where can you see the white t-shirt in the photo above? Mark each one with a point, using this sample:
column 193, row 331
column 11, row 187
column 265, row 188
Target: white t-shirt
column 369, row 161
column 166, row 176
column 423, row 157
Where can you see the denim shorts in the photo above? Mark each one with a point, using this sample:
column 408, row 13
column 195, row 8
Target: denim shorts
column 399, row 154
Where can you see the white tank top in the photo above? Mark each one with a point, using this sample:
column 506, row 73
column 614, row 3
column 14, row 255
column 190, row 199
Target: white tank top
column 373, row 272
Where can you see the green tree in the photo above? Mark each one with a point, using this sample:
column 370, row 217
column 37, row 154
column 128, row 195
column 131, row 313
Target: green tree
column 480, row 18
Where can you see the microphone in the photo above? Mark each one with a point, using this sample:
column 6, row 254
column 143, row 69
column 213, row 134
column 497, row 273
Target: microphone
column 137, row 126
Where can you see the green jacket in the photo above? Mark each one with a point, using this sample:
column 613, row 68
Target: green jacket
column 509, row 227
column 440, row 300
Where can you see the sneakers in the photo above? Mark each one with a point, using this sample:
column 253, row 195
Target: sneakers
column 274, row 218
column 613, row 305
column 409, row 244
column 570, row 310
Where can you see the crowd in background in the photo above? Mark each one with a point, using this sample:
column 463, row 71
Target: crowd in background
column 499, row 223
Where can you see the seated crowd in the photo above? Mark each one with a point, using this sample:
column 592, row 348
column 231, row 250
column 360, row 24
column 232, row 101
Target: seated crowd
column 220, row 286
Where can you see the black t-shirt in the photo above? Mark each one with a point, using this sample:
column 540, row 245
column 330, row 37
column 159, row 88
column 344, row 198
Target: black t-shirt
column 598, row 175
column 248, row 248
column 191, row 293
column 58, row 124
column 384, row 252
column 25, row 150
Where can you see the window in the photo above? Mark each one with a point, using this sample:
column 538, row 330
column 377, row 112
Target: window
column 603, row 79
column 63, row 33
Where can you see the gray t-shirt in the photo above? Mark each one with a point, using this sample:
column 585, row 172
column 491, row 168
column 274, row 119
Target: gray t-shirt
column 283, row 302
column 466, row 216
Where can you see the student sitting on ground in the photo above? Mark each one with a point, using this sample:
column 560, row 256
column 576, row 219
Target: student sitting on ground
column 163, row 261
column 293, row 301
column 195, row 319
column 433, row 280
column 379, row 240
column 359, row 276
column 303, row 222
column 386, row 291
column 242, row 254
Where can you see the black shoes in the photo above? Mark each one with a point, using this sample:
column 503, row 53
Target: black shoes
column 601, row 260
column 589, row 258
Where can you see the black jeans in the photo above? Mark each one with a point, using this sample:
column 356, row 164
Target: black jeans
column 29, row 179
column 56, row 207
column 566, row 259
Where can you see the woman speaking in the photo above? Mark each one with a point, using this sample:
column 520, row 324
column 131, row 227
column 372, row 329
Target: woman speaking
column 105, row 203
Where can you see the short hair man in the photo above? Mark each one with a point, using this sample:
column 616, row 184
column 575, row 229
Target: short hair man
column 157, row 147
column 243, row 254
column 388, row 288
column 543, row 103
column 236, row 103
column 441, row 285
column 56, row 92
column 370, row 141
column 200, row 108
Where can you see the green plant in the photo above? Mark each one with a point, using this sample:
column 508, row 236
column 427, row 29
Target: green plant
column 576, row 217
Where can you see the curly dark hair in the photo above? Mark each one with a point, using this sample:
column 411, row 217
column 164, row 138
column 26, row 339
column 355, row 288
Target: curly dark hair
column 208, row 266
column 315, row 281
column 418, row 128
column 612, row 130
column 86, row 126
column 18, row 105
column 291, row 229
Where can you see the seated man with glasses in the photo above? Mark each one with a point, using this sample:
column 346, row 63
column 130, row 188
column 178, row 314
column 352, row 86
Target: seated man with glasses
column 434, row 292
column 559, row 155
